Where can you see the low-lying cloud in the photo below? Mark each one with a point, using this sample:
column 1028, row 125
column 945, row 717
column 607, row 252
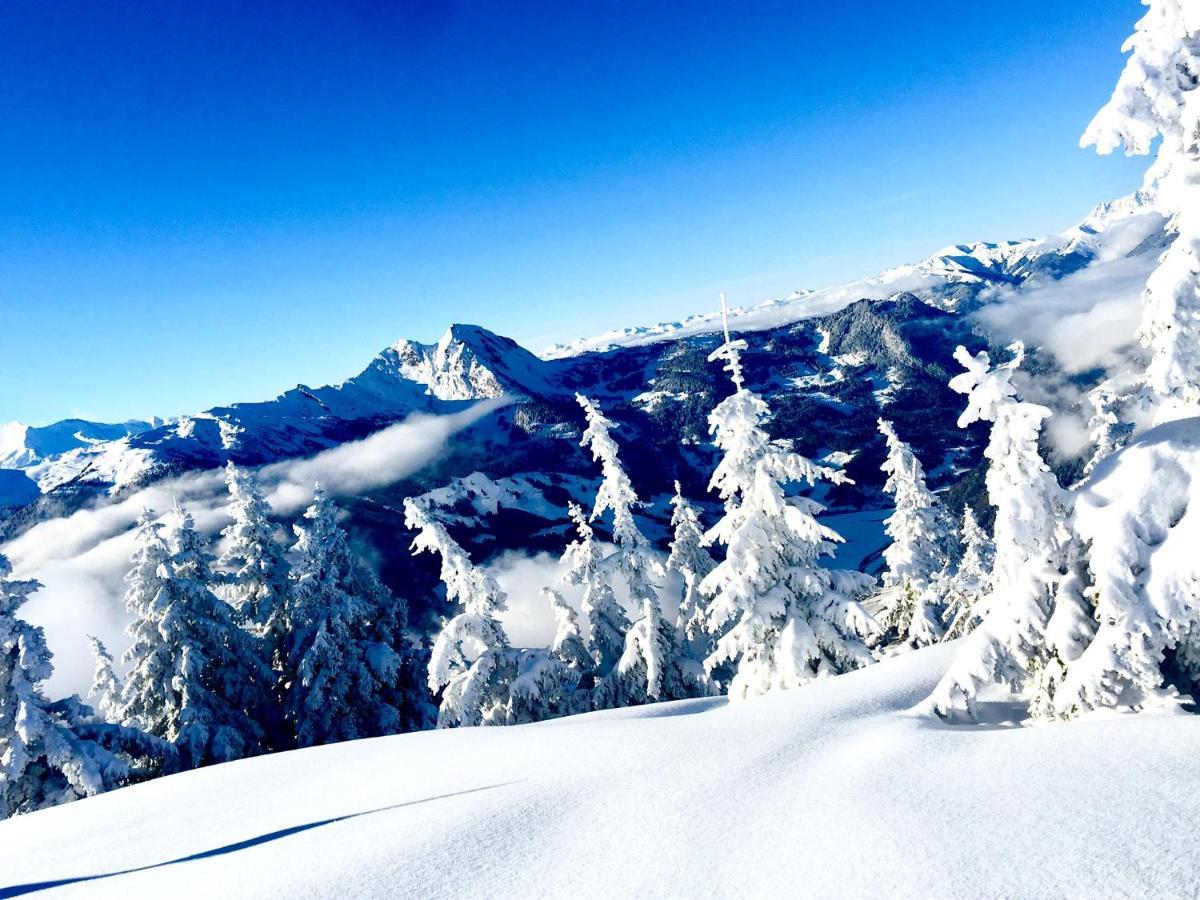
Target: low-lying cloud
column 81, row 559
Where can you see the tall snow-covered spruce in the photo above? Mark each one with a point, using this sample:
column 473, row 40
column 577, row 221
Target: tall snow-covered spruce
column 259, row 583
column 43, row 758
column 473, row 664
column 692, row 561
column 905, row 607
column 1158, row 97
column 347, row 671
column 585, row 569
column 196, row 678
column 968, row 585
column 652, row 664
column 1010, row 646
column 785, row 619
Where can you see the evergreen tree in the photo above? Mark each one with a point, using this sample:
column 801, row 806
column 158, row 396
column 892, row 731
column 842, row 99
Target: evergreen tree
column 472, row 663
column 348, row 675
column 789, row 619
column 1010, row 645
column 196, row 678
column 568, row 644
column 652, row 665
column 692, row 561
column 44, row 757
column 607, row 620
column 106, row 686
column 1156, row 97
column 259, row 583
column 969, row 583
column 634, row 558
column 905, row 606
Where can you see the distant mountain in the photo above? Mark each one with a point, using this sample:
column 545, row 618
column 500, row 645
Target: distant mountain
column 952, row 276
column 829, row 362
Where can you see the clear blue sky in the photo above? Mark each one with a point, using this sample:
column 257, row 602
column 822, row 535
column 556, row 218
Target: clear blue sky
column 209, row 202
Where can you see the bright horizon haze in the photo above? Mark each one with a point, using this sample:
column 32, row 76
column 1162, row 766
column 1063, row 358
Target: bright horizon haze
column 209, row 203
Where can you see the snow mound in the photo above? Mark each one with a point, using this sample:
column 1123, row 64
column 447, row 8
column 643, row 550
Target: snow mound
column 829, row 790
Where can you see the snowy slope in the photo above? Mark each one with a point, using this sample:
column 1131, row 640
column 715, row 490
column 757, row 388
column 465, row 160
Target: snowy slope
column 826, row 791
column 24, row 445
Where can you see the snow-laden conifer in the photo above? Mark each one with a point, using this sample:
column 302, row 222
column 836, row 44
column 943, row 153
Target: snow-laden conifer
column 105, row 692
column 634, row 557
column 44, row 760
column 195, row 677
column 472, row 664
column 1139, row 516
column 568, row 644
column 1010, row 645
column 785, row 618
column 968, row 585
column 349, row 675
column 652, row 665
column 1157, row 97
column 691, row 560
column 258, row 580
column 585, row 569
column 905, row 607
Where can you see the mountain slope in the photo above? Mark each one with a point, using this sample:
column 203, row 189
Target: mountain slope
column 824, row 791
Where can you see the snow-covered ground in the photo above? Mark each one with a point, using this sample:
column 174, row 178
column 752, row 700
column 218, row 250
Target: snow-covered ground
column 826, row 791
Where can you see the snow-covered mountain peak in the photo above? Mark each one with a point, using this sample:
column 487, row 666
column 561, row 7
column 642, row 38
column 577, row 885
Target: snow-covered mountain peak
column 467, row 363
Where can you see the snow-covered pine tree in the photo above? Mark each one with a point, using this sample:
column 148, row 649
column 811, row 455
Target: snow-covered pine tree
column 259, row 580
column 691, row 560
column 652, row 665
column 568, row 644
column 607, row 620
column 196, row 678
column 44, row 760
column 789, row 619
column 106, row 686
column 347, row 670
column 1010, row 645
column 472, row 664
column 633, row 559
column 1157, row 96
column 905, row 607
column 969, row 583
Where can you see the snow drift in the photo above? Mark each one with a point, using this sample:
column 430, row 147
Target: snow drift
column 829, row 790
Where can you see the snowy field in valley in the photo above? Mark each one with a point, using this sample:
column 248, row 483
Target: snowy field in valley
column 829, row 790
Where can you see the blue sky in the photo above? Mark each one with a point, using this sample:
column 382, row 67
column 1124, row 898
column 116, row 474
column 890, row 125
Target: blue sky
column 204, row 203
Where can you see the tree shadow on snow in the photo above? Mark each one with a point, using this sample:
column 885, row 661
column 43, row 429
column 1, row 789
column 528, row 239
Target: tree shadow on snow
column 18, row 890
column 990, row 715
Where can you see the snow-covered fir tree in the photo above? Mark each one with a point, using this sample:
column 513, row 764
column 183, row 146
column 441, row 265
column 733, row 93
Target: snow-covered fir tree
column 1139, row 518
column 195, row 678
column 968, row 585
column 1010, row 645
column 568, row 644
column 472, row 664
column 652, row 665
column 44, row 760
column 349, row 675
column 1156, row 97
column 259, row 578
column 785, row 619
column 585, row 569
column 634, row 557
column 691, row 560
column 105, row 692
column 905, row 607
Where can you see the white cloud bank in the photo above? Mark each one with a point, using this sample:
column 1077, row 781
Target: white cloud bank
column 81, row 559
